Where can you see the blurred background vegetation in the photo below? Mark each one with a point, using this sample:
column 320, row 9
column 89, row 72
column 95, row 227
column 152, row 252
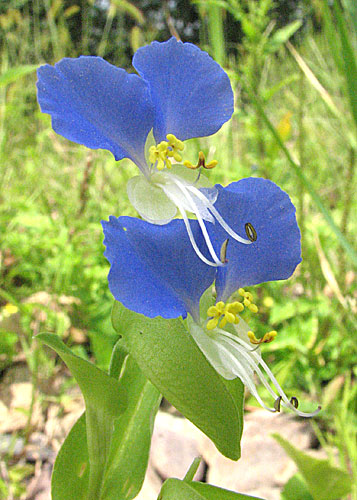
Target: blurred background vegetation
column 292, row 65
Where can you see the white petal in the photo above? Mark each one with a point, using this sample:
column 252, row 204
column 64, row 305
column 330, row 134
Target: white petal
column 150, row 201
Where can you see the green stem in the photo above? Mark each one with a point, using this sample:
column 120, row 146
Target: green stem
column 216, row 33
column 107, row 27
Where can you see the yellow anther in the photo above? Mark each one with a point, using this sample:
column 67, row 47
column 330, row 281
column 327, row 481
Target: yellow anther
column 212, row 323
column 162, row 152
column 235, row 307
column 248, row 300
column 201, row 162
column 230, row 317
column 270, row 336
column 212, row 311
column 223, row 313
column 211, row 164
column 158, row 155
column 175, row 146
column 220, row 306
column 253, row 308
column 266, row 339
column 253, row 338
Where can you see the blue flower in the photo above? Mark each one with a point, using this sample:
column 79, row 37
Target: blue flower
column 155, row 271
column 181, row 93
column 167, row 278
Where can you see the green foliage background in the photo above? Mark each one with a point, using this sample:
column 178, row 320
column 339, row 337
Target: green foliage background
column 54, row 193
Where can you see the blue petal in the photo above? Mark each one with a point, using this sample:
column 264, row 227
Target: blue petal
column 276, row 252
column 96, row 104
column 191, row 93
column 154, row 270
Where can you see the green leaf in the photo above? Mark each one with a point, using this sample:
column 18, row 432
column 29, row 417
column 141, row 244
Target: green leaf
column 13, row 74
column 296, row 489
column 324, row 481
column 281, row 36
column 126, row 437
column 169, row 357
column 174, row 489
column 129, row 449
column 70, row 474
column 105, row 400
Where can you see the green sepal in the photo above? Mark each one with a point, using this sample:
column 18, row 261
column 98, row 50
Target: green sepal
column 171, row 360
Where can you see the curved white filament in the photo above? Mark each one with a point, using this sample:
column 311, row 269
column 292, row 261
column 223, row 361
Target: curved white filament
column 255, row 361
column 218, row 216
column 176, row 200
column 245, row 377
column 190, row 235
column 195, row 210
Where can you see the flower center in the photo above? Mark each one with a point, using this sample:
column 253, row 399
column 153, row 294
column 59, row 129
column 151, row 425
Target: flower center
column 165, row 188
column 228, row 313
column 162, row 152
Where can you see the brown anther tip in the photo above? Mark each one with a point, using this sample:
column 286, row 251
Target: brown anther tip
column 277, row 403
column 294, row 401
column 223, row 253
column 201, row 160
column 211, row 164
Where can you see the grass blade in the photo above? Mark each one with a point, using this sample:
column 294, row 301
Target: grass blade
column 298, row 170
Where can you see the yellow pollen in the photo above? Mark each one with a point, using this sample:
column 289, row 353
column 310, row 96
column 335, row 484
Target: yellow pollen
column 201, row 162
column 162, row 152
column 248, row 300
column 223, row 313
column 266, row 339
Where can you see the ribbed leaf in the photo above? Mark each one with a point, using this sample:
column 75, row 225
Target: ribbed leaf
column 169, row 357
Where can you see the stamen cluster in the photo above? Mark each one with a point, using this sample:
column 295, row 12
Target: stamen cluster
column 223, row 313
column 248, row 300
column 162, row 152
column 228, row 313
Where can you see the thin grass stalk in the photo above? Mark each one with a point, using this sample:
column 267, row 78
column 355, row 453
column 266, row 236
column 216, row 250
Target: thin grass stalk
column 298, row 171
column 301, row 153
column 85, row 27
column 349, row 58
column 36, row 30
column 348, row 190
column 216, row 33
column 107, row 27
column 256, row 75
column 4, row 67
column 53, row 31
